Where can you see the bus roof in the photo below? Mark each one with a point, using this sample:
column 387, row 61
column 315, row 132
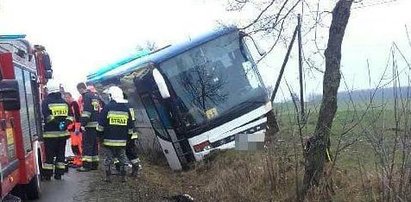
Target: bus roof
column 157, row 57
column 12, row 36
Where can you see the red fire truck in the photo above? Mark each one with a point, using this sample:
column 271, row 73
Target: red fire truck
column 24, row 71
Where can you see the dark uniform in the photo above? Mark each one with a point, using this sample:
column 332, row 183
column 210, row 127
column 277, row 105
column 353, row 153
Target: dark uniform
column 131, row 149
column 115, row 127
column 57, row 116
column 89, row 118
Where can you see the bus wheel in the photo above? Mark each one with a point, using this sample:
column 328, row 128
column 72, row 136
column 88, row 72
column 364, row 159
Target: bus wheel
column 33, row 188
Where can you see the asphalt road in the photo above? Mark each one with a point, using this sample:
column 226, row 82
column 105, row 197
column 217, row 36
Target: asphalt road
column 72, row 187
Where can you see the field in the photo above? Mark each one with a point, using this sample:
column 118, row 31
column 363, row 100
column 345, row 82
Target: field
column 370, row 161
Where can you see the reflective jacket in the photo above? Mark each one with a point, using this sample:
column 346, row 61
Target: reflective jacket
column 135, row 133
column 115, row 125
column 57, row 116
column 91, row 109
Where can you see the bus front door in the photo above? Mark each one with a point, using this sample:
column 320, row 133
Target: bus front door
column 161, row 125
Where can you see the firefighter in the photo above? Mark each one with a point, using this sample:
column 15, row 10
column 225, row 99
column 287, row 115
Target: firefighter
column 89, row 116
column 131, row 151
column 74, row 129
column 115, row 127
column 57, row 116
column 131, row 148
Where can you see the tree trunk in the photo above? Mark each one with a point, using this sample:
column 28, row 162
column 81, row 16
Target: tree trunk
column 315, row 154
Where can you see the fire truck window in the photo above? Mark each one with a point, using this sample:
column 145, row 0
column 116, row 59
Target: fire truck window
column 24, row 118
column 30, row 102
column 36, row 106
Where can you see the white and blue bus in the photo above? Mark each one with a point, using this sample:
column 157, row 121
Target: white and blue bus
column 193, row 97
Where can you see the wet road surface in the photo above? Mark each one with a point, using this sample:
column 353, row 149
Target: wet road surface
column 71, row 188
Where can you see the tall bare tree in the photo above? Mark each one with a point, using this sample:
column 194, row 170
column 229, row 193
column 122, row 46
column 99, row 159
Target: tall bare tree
column 316, row 153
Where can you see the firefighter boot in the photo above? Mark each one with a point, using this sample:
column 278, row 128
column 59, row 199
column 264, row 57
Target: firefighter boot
column 47, row 177
column 134, row 169
column 66, row 167
column 94, row 166
column 123, row 173
column 108, row 176
column 85, row 168
column 117, row 167
column 57, row 176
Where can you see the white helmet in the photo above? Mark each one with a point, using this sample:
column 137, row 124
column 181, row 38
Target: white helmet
column 116, row 94
column 53, row 86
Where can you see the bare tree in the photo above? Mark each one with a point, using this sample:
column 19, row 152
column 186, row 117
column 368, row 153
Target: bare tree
column 202, row 86
column 147, row 45
column 316, row 153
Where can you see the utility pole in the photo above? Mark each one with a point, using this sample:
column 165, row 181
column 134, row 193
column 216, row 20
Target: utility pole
column 287, row 56
column 300, row 65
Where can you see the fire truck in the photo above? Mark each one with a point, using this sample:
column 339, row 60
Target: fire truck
column 24, row 71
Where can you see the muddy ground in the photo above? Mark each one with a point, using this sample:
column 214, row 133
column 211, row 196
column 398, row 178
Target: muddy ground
column 154, row 183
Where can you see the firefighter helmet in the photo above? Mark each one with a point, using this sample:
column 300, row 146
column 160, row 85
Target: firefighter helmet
column 116, row 94
column 53, row 86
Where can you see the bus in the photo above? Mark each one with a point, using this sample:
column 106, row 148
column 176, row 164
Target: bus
column 193, row 97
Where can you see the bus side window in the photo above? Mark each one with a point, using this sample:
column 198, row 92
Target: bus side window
column 154, row 117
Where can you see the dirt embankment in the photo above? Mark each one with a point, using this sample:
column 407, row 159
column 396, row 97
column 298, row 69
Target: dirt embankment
column 220, row 178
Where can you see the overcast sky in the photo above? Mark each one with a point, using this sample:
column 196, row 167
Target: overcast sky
column 84, row 35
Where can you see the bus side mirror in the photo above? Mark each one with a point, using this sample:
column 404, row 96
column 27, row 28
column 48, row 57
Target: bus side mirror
column 161, row 84
column 9, row 94
column 247, row 39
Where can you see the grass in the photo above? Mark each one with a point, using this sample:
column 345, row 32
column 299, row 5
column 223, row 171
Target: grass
column 361, row 172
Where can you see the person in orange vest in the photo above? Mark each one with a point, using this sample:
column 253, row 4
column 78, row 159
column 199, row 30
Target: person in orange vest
column 75, row 134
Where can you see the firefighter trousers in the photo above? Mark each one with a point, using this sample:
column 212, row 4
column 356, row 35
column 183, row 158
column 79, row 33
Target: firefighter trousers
column 55, row 148
column 90, row 149
column 111, row 153
column 131, row 151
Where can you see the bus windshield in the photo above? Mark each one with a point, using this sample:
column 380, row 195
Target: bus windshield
column 212, row 80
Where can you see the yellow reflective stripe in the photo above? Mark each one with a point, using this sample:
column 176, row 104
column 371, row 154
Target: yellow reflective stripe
column 61, row 165
column 92, row 124
column 133, row 117
column 134, row 135
column 58, row 105
column 95, row 159
column 100, row 128
column 117, row 113
column 87, row 158
column 134, row 161
column 86, row 114
column 47, row 166
column 50, row 118
column 55, row 134
column 115, row 143
column 70, row 118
